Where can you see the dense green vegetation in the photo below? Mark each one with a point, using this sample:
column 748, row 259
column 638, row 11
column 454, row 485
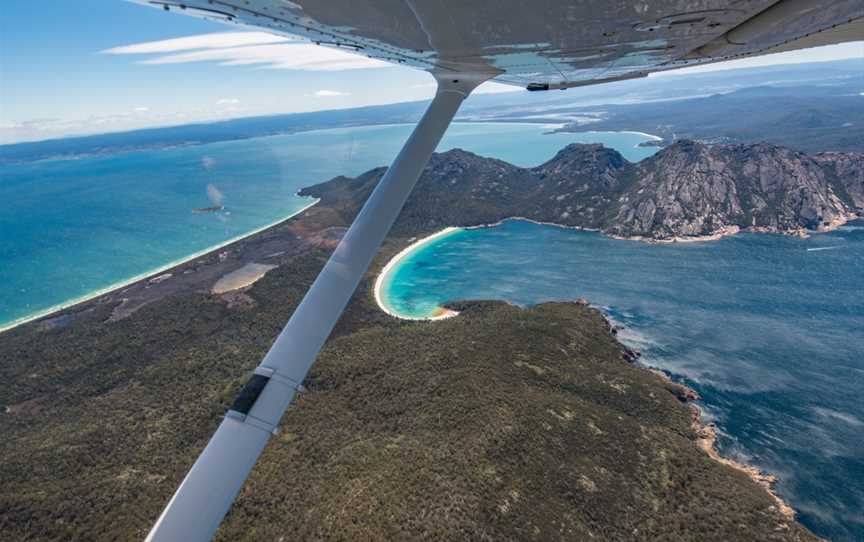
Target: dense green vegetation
column 807, row 118
column 501, row 423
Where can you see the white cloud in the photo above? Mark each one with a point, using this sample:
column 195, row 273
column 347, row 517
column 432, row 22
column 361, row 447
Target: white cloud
column 228, row 101
column 217, row 40
column 45, row 128
column 249, row 49
column 141, row 109
column 330, row 93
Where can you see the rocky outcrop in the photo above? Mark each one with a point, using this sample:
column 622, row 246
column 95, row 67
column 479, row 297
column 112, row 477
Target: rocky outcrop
column 848, row 170
column 687, row 190
column 692, row 189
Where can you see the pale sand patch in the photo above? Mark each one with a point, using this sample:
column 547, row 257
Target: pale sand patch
column 441, row 313
column 240, row 278
column 128, row 282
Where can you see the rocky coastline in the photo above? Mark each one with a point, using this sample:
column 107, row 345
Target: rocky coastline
column 687, row 191
column 705, row 430
column 511, row 386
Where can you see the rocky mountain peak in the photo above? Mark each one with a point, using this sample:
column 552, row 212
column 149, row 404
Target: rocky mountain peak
column 688, row 189
column 580, row 155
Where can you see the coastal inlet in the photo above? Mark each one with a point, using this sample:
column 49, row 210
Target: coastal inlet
column 117, row 218
column 767, row 328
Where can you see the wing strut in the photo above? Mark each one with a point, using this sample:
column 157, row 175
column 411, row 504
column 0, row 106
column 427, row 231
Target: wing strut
column 205, row 495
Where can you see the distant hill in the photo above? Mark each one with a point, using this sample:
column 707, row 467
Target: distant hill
column 687, row 190
column 747, row 106
column 196, row 134
column 812, row 118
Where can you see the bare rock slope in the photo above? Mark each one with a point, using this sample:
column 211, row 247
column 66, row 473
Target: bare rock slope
column 687, row 190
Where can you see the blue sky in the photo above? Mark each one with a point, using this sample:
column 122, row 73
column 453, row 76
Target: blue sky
column 55, row 78
column 74, row 67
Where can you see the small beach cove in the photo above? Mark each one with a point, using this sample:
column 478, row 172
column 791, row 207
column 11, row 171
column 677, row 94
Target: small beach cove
column 765, row 327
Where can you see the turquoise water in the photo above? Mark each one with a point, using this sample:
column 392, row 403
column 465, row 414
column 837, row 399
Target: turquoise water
column 769, row 329
column 69, row 228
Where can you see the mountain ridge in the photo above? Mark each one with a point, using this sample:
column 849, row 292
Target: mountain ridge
column 516, row 423
column 686, row 191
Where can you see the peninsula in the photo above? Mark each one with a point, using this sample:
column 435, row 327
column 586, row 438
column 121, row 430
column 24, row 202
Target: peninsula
column 501, row 423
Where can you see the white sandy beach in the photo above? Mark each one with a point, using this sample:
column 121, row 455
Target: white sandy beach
column 649, row 136
column 151, row 273
column 379, row 281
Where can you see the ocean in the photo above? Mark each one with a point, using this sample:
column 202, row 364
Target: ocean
column 70, row 228
column 769, row 329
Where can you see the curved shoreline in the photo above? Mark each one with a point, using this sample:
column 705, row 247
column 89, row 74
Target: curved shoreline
column 141, row 276
column 705, row 430
column 645, row 134
column 379, row 280
column 726, row 231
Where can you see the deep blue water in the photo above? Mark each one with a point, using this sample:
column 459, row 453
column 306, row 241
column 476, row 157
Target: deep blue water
column 69, row 228
column 767, row 329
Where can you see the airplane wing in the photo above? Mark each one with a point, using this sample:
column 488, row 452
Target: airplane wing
column 543, row 44
column 537, row 44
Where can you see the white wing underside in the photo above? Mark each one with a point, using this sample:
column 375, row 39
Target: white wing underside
column 546, row 43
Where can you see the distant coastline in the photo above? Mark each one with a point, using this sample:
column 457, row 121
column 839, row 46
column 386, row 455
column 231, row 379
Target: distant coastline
column 142, row 276
column 101, row 152
column 59, row 301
